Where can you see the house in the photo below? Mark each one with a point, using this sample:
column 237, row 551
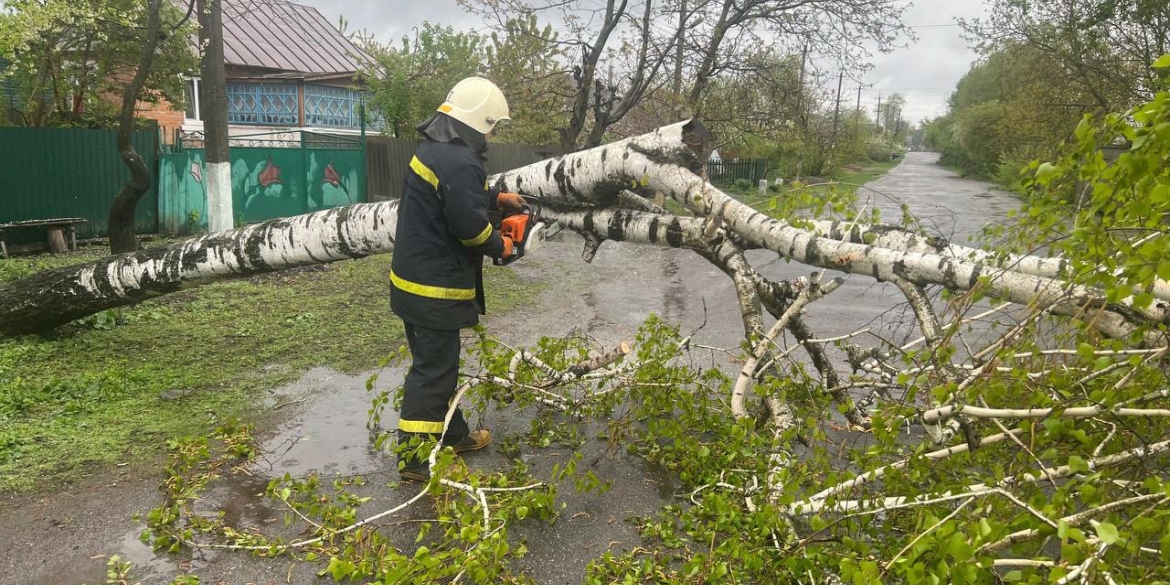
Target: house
column 287, row 68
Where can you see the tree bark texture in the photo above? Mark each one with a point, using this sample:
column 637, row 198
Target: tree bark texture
column 121, row 219
column 579, row 190
column 55, row 297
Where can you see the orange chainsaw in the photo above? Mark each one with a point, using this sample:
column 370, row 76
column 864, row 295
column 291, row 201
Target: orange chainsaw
column 525, row 229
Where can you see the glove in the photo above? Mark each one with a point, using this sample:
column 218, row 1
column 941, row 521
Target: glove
column 507, row 200
column 507, row 246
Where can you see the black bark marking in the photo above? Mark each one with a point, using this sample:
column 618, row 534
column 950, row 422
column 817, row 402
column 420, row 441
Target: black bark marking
column 674, row 157
column 674, row 234
column 812, row 253
column 195, row 257
column 975, row 272
column 697, row 138
column 342, row 242
column 654, row 230
column 548, row 169
column 616, row 229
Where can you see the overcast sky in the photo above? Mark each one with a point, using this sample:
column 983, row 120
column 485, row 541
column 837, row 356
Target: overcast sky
column 925, row 72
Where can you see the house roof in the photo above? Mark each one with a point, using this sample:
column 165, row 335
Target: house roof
column 285, row 37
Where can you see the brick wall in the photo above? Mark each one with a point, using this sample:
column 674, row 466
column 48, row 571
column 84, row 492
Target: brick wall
column 169, row 119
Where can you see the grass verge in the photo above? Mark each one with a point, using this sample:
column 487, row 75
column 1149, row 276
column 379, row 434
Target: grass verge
column 787, row 197
column 117, row 387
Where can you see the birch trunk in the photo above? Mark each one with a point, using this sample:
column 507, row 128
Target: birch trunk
column 577, row 190
column 670, row 160
column 896, row 238
column 55, row 297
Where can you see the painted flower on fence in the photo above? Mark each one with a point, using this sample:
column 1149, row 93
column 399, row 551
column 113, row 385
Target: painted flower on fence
column 331, row 175
column 270, row 175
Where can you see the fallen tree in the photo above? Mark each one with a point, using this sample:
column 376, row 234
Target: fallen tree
column 577, row 189
column 971, row 455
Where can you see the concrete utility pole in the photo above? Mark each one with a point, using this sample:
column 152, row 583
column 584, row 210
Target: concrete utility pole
column 877, row 116
column 214, row 103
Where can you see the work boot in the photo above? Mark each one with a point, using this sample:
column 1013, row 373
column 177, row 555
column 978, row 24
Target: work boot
column 473, row 441
column 419, row 473
column 414, row 467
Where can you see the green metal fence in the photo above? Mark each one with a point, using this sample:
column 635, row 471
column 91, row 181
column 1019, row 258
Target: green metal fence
column 730, row 171
column 69, row 172
column 276, row 174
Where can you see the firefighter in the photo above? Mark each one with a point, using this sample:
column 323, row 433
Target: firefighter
column 436, row 275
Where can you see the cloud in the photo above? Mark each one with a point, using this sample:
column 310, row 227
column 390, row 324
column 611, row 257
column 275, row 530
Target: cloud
column 926, row 71
column 389, row 21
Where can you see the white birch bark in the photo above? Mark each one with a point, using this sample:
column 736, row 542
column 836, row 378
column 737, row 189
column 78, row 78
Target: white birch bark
column 895, row 238
column 668, row 159
column 55, row 297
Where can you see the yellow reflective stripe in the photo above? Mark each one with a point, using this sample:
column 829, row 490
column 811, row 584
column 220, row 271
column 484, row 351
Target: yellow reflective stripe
column 419, row 426
column 434, row 292
column 424, row 172
column 481, row 238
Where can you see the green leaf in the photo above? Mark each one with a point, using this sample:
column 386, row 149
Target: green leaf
column 1045, row 173
column 1076, row 464
column 1107, row 532
column 1161, row 62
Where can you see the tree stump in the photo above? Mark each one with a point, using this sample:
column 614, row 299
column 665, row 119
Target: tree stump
column 57, row 243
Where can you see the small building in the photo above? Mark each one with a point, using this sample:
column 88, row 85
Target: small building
column 288, row 68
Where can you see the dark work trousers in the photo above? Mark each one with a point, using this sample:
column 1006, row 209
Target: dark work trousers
column 430, row 384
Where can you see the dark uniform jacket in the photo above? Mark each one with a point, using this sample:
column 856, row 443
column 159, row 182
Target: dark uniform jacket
column 443, row 232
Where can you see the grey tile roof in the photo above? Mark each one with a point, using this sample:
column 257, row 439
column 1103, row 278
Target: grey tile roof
column 285, row 37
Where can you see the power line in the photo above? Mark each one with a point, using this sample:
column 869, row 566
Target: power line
column 947, row 88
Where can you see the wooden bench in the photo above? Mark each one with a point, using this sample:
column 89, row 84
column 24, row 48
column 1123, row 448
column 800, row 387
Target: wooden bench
column 56, row 227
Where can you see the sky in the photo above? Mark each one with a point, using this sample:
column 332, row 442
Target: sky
column 925, row 71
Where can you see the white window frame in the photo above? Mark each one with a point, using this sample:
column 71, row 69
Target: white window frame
column 195, row 105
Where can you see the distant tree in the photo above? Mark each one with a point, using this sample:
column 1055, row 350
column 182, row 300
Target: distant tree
column 409, row 81
column 621, row 52
column 890, row 115
column 1008, row 110
column 1104, row 47
column 526, row 61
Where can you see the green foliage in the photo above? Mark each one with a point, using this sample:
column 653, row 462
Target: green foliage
column 410, row 81
column 525, row 61
column 67, row 57
column 116, row 387
column 1109, row 218
column 1002, row 116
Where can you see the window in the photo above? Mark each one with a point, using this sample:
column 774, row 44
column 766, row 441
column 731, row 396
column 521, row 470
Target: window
column 192, row 113
column 272, row 104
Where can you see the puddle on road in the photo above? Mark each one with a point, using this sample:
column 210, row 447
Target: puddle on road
column 329, row 437
column 146, row 566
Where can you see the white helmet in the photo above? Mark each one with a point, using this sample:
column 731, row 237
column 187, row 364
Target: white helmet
column 476, row 102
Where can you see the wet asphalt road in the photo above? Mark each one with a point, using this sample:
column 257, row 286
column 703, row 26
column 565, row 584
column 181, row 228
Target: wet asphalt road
column 62, row 537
